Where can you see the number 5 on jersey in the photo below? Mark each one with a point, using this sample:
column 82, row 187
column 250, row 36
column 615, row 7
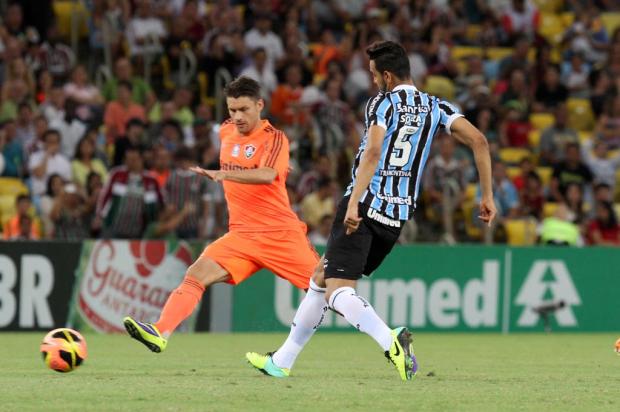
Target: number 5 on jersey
column 402, row 146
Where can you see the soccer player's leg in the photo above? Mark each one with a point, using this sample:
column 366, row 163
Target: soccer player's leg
column 347, row 258
column 222, row 261
column 292, row 258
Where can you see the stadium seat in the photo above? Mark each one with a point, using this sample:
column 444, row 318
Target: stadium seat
column 7, row 208
column 498, row 53
column 472, row 230
column 580, row 116
column 520, row 232
column 513, row 172
column 541, row 121
column 12, row 186
column 545, row 174
column 470, row 192
column 611, row 21
column 462, row 52
column 549, row 209
column 63, row 10
column 568, row 17
column 549, row 6
column 440, row 86
column 533, row 138
column 551, row 27
column 513, row 155
column 472, row 31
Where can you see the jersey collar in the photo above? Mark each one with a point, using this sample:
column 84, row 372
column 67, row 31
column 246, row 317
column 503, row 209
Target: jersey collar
column 404, row 87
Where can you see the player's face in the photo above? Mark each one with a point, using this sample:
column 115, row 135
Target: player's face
column 377, row 78
column 244, row 112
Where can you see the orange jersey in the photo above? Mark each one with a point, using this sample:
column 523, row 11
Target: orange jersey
column 257, row 207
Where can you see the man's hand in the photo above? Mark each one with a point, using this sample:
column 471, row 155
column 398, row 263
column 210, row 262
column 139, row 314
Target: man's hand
column 215, row 175
column 352, row 219
column 487, row 210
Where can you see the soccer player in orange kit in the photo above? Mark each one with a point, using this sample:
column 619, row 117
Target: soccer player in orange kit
column 264, row 232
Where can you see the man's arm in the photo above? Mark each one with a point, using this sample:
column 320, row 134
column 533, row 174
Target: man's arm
column 261, row 176
column 365, row 171
column 470, row 136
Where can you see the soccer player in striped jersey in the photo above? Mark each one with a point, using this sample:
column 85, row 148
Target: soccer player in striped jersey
column 400, row 124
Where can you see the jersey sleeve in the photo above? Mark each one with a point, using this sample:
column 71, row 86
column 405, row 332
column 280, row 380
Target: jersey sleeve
column 447, row 114
column 379, row 111
column 276, row 154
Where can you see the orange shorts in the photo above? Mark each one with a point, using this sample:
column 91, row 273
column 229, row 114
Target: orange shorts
column 287, row 253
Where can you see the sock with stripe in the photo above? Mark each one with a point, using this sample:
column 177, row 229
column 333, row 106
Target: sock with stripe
column 358, row 312
column 180, row 304
column 307, row 320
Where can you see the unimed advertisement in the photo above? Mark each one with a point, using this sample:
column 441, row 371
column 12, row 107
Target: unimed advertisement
column 36, row 282
column 464, row 288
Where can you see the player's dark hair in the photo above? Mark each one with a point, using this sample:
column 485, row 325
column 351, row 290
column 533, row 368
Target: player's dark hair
column 243, row 87
column 390, row 56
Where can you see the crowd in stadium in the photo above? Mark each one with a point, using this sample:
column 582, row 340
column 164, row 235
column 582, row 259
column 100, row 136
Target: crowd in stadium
column 86, row 155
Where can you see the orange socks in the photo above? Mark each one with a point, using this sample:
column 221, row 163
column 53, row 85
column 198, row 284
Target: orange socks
column 180, row 305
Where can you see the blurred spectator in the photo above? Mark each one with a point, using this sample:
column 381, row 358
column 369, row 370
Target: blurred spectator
column 517, row 60
column 505, row 193
column 587, row 35
column 89, row 99
column 261, row 35
column 532, row 199
column 70, row 128
column 602, row 165
column 53, row 108
column 516, row 125
column 319, row 203
column 575, row 76
column 68, row 215
column 571, row 170
column 48, row 161
column 24, row 126
column 134, row 136
column 285, row 100
column 550, row 92
column 94, row 185
column 54, row 56
column 558, row 230
column 141, row 92
column 602, row 193
column 21, row 225
column 55, row 187
column 332, row 114
column 522, row 18
column 162, row 163
column 308, row 182
column 130, row 200
column 526, row 167
column 600, row 91
column 145, row 32
column 608, row 126
column 184, row 187
column 84, row 162
column 18, row 72
column 262, row 73
column 120, row 111
column 553, row 140
column 444, row 183
column 12, row 151
column 319, row 236
column 604, row 229
column 575, row 203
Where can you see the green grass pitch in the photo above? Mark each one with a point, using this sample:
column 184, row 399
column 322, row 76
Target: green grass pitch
column 336, row 372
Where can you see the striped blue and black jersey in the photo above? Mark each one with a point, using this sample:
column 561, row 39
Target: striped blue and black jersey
column 411, row 118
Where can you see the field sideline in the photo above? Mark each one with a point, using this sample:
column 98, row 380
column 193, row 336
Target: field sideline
column 336, row 372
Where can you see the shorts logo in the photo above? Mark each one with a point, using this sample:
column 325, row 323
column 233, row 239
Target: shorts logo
column 235, row 150
column 374, row 215
column 249, row 150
